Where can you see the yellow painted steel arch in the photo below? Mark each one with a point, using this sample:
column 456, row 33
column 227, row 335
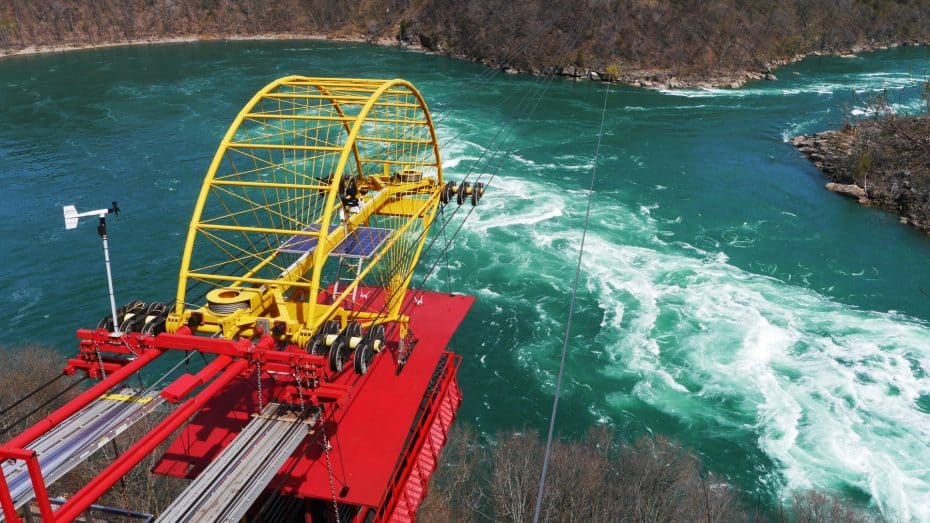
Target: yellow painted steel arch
column 277, row 221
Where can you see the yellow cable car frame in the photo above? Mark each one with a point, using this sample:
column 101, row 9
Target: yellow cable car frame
column 309, row 170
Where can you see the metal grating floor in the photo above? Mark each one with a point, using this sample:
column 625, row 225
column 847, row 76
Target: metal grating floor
column 228, row 487
column 74, row 440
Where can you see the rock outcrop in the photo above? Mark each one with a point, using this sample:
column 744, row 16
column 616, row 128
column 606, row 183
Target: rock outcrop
column 883, row 162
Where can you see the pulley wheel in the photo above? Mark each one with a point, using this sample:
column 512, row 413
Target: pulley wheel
column 155, row 308
column 352, row 330
column 134, row 306
column 317, row 344
column 132, row 323
column 331, row 327
column 156, row 325
column 447, row 191
column 106, row 323
column 338, row 354
column 462, row 193
column 364, row 353
column 375, row 334
column 476, row 193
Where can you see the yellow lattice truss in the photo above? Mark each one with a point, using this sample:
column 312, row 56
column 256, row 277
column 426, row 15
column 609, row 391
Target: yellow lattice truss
column 315, row 208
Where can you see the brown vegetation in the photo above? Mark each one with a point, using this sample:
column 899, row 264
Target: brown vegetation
column 26, row 369
column 885, row 159
column 682, row 41
column 596, row 479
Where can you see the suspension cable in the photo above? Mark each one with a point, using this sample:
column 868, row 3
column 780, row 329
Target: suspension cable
column 40, row 407
column 497, row 151
column 31, row 394
column 571, row 311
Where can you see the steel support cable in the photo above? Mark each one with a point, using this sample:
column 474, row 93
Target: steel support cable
column 490, row 73
column 511, row 141
column 67, row 389
column 499, row 154
column 562, row 55
column 42, row 406
column 571, row 311
column 31, row 394
column 529, row 106
column 526, row 108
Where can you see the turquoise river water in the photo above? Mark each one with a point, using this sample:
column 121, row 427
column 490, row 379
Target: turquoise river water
column 727, row 299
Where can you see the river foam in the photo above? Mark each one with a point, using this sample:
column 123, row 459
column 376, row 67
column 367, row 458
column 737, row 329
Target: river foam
column 827, row 392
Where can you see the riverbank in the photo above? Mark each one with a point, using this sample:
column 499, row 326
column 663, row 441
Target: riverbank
column 883, row 162
column 659, row 45
column 663, row 79
column 46, row 49
column 649, row 78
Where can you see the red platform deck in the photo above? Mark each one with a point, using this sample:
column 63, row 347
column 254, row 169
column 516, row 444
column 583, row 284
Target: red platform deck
column 367, row 436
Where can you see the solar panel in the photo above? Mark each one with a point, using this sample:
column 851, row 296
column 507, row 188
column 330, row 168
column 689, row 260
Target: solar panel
column 302, row 244
column 362, row 242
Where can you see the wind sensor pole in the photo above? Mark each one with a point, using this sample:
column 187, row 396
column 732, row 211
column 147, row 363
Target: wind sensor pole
column 71, row 222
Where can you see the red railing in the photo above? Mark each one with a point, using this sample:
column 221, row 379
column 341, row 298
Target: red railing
column 233, row 358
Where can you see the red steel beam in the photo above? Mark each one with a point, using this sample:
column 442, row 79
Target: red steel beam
column 66, row 410
column 6, row 501
column 181, row 387
column 38, row 485
column 85, row 497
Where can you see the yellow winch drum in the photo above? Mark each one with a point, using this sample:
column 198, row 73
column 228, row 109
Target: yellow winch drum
column 226, row 301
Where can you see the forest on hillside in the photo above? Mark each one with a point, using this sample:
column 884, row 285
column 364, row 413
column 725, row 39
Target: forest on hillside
column 619, row 38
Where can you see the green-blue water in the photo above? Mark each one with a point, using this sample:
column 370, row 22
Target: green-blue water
column 727, row 299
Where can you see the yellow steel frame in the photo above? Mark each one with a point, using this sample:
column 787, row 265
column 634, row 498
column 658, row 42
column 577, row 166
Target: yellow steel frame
column 276, row 178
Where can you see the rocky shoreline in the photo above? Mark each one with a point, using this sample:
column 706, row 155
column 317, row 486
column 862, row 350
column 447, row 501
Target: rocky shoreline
column 883, row 162
column 45, row 49
column 655, row 78
column 658, row 79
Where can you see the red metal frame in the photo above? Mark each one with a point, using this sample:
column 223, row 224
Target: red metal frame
column 234, row 363
column 410, row 459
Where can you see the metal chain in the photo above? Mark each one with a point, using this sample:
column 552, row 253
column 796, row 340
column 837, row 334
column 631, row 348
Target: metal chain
column 300, row 389
column 258, row 373
column 329, row 470
column 103, row 372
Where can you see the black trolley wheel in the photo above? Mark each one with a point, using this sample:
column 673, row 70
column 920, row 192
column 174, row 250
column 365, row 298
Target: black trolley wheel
column 156, row 325
column 352, row 330
column 155, row 308
column 106, row 323
column 476, row 193
column 338, row 354
column 462, row 193
column 447, row 191
column 133, row 323
column 364, row 354
column 317, row 344
column 331, row 327
column 375, row 334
